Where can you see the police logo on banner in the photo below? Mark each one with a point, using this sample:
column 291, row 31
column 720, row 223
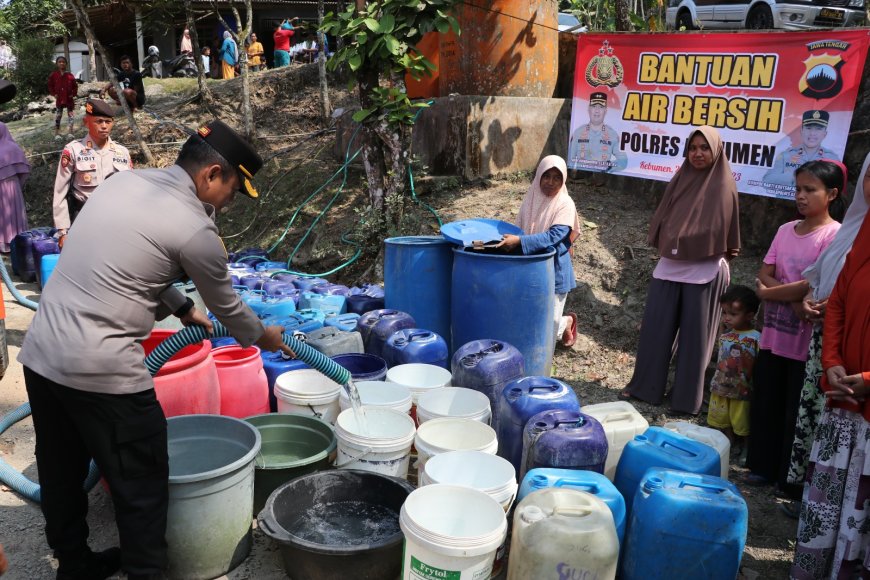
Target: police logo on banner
column 822, row 78
column 604, row 69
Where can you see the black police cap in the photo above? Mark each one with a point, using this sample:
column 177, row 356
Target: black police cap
column 816, row 117
column 98, row 108
column 598, row 99
column 235, row 150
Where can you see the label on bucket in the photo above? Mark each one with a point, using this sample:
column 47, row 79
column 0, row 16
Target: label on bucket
column 421, row 571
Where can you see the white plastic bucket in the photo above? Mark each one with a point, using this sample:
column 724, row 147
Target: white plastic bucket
column 452, row 434
column 453, row 402
column 379, row 394
column 419, row 378
column 491, row 474
column 450, row 532
column 712, row 437
column 382, row 445
column 307, row 392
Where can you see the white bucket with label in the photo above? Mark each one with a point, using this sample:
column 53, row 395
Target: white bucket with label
column 491, row 474
column 712, row 437
column 450, row 532
column 419, row 377
column 453, row 402
column 308, row 392
column 452, row 434
column 381, row 445
column 379, row 394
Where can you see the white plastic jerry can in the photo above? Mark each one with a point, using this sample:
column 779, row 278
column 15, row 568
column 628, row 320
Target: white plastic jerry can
column 563, row 533
column 712, row 437
column 621, row 422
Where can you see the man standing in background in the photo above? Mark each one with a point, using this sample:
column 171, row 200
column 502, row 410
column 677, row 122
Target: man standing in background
column 282, row 35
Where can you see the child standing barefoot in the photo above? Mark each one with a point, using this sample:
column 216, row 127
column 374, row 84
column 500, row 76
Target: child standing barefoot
column 732, row 384
column 780, row 369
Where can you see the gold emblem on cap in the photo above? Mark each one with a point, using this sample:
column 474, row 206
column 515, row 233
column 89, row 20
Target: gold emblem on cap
column 817, row 115
column 89, row 108
column 245, row 171
column 204, row 132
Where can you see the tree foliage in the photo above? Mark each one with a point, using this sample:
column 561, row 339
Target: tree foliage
column 382, row 36
column 35, row 63
column 29, row 18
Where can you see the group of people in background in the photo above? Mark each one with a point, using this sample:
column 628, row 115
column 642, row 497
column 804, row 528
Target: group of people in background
column 221, row 59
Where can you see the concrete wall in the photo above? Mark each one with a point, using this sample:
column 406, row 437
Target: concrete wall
column 481, row 136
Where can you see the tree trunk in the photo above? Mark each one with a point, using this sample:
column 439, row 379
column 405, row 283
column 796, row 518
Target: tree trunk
column 239, row 36
column 66, row 46
column 623, row 22
column 92, row 58
column 204, row 91
column 85, row 23
column 325, row 108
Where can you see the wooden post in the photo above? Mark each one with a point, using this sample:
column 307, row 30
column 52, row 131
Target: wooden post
column 92, row 59
column 325, row 108
column 140, row 40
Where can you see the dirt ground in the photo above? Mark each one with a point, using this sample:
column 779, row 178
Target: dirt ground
column 611, row 263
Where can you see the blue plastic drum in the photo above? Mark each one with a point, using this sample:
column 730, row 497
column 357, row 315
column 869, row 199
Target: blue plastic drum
column 417, row 272
column 509, row 298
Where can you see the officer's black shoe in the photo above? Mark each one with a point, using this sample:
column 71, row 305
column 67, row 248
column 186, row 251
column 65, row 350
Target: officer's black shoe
column 159, row 576
column 95, row 566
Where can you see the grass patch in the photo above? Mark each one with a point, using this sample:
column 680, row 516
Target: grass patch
column 173, row 86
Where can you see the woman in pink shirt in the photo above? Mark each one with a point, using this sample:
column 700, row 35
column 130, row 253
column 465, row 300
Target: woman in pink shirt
column 780, row 367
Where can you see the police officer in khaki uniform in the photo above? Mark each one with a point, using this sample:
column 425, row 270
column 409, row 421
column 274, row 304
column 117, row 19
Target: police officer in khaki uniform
column 86, row 163
column 595, row 146
column 89, row 391
column 814, row 129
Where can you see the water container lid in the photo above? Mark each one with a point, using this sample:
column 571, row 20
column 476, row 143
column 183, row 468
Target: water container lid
column 466, row 232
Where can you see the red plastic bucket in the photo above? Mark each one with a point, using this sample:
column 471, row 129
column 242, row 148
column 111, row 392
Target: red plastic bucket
column 244, row 388
column 188, row 383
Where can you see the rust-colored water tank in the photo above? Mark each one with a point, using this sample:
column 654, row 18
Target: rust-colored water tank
column 427, row 86
column 506, row 48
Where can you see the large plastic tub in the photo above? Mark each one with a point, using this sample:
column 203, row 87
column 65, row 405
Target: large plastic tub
column 211, row 494
column 292, row 446
column 358, row 553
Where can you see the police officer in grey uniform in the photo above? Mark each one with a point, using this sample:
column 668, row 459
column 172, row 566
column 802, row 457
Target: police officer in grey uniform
column 89, row 391
column 595, row 146
column 814, row 129
column 86, row 163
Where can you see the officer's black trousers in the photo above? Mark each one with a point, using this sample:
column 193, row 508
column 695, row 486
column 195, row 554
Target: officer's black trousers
column 126, row 436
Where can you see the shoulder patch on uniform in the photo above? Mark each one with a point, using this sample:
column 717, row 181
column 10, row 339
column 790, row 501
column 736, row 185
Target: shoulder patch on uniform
column 65, row 158
column 204, row 132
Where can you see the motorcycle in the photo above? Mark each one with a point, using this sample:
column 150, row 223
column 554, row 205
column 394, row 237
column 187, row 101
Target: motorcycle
column 182, row 65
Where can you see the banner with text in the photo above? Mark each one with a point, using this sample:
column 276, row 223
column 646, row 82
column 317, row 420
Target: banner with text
column 778, row 100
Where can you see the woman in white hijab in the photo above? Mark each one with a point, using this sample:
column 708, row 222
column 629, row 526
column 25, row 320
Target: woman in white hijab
column 822, row 276
column 550, row 222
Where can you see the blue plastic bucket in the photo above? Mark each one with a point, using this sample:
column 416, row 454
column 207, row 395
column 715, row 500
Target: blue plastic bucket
column 363, row 367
